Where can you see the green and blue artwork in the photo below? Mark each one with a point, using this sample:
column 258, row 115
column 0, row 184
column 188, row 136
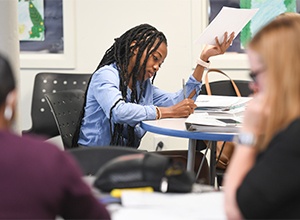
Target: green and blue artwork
column 31, row 20
column 268, row 10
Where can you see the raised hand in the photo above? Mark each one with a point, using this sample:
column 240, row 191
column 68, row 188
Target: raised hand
column 210, row 50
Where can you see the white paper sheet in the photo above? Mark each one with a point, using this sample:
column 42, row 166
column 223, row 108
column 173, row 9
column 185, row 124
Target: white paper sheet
column 204, row 120
column 217, row 102
column 228, row 20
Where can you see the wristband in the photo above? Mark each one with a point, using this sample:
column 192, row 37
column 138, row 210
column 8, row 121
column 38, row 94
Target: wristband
column 245, row 138
column 158, row 113
column 203, row 63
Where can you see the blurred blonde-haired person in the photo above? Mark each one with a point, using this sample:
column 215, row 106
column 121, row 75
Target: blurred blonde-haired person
column 261, row 180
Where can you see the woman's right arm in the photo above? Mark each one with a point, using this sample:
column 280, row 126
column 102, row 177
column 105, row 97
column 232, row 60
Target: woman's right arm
column 244, row 157
column 241, row 162
column 181, row 110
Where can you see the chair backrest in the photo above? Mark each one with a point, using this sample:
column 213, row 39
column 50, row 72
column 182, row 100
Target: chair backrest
column 90, row 159
column 43, row 122
column 225, row 87
column 66, row 107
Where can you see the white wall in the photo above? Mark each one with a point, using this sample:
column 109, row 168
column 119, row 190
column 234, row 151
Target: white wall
column 98, row 22
column 9, row 40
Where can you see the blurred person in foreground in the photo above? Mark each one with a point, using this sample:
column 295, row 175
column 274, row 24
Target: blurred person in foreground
column 38, row 181
column 261, row 180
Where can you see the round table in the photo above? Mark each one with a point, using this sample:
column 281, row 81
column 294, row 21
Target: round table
column 176, row 127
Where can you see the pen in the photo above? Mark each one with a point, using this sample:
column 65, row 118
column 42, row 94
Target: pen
column 183, row 87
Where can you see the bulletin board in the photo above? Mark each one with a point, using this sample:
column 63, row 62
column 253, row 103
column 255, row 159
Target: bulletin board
column 41, row 25
column 57, row 49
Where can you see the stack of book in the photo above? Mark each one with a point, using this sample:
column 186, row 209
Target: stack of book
column 217, row 114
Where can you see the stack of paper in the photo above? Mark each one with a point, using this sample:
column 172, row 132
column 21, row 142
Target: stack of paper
column 204, row 123
column 217, row 114
column 231, row 106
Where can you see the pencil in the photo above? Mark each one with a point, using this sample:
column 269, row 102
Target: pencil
column 183, row 87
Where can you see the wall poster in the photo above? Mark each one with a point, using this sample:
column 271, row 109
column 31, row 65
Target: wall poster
column 41, row 26
column 31, row 20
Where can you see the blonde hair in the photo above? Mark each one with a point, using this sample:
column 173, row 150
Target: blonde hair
column 278, row 44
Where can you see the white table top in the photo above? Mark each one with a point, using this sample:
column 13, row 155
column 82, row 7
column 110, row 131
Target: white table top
column 176, row 127
column 173, row 206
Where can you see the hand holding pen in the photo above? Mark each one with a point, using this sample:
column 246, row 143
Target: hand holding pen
column 181, row 109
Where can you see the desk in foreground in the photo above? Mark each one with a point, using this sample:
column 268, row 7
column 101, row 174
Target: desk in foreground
column 157, row 205
column 202, row 203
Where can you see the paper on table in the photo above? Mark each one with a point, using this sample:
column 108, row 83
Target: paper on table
column 238, row 112
column 228, row 20
column 199, row 123
column 158, row 199
column 218, row 102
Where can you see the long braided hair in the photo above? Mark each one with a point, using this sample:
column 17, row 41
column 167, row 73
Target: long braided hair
column 142, row 37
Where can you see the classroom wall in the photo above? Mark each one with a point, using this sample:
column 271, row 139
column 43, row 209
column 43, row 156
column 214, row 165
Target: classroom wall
column 98, row 22
column 9, row 41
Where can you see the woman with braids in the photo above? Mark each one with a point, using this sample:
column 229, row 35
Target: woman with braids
column 120, row 94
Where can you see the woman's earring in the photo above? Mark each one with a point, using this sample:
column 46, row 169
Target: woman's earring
column 8, row 113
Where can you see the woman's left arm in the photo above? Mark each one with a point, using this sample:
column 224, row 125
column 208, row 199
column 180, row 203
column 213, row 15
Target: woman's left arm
column 193, row 85
column 210, row 51
column 174, row 106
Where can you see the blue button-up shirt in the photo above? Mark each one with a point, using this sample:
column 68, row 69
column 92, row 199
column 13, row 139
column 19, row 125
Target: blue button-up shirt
column 103, row 93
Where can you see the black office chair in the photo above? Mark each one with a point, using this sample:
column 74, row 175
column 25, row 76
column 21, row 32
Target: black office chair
column 90, row 159
column 225, row 87
column 43, row 123
column 66, row 107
